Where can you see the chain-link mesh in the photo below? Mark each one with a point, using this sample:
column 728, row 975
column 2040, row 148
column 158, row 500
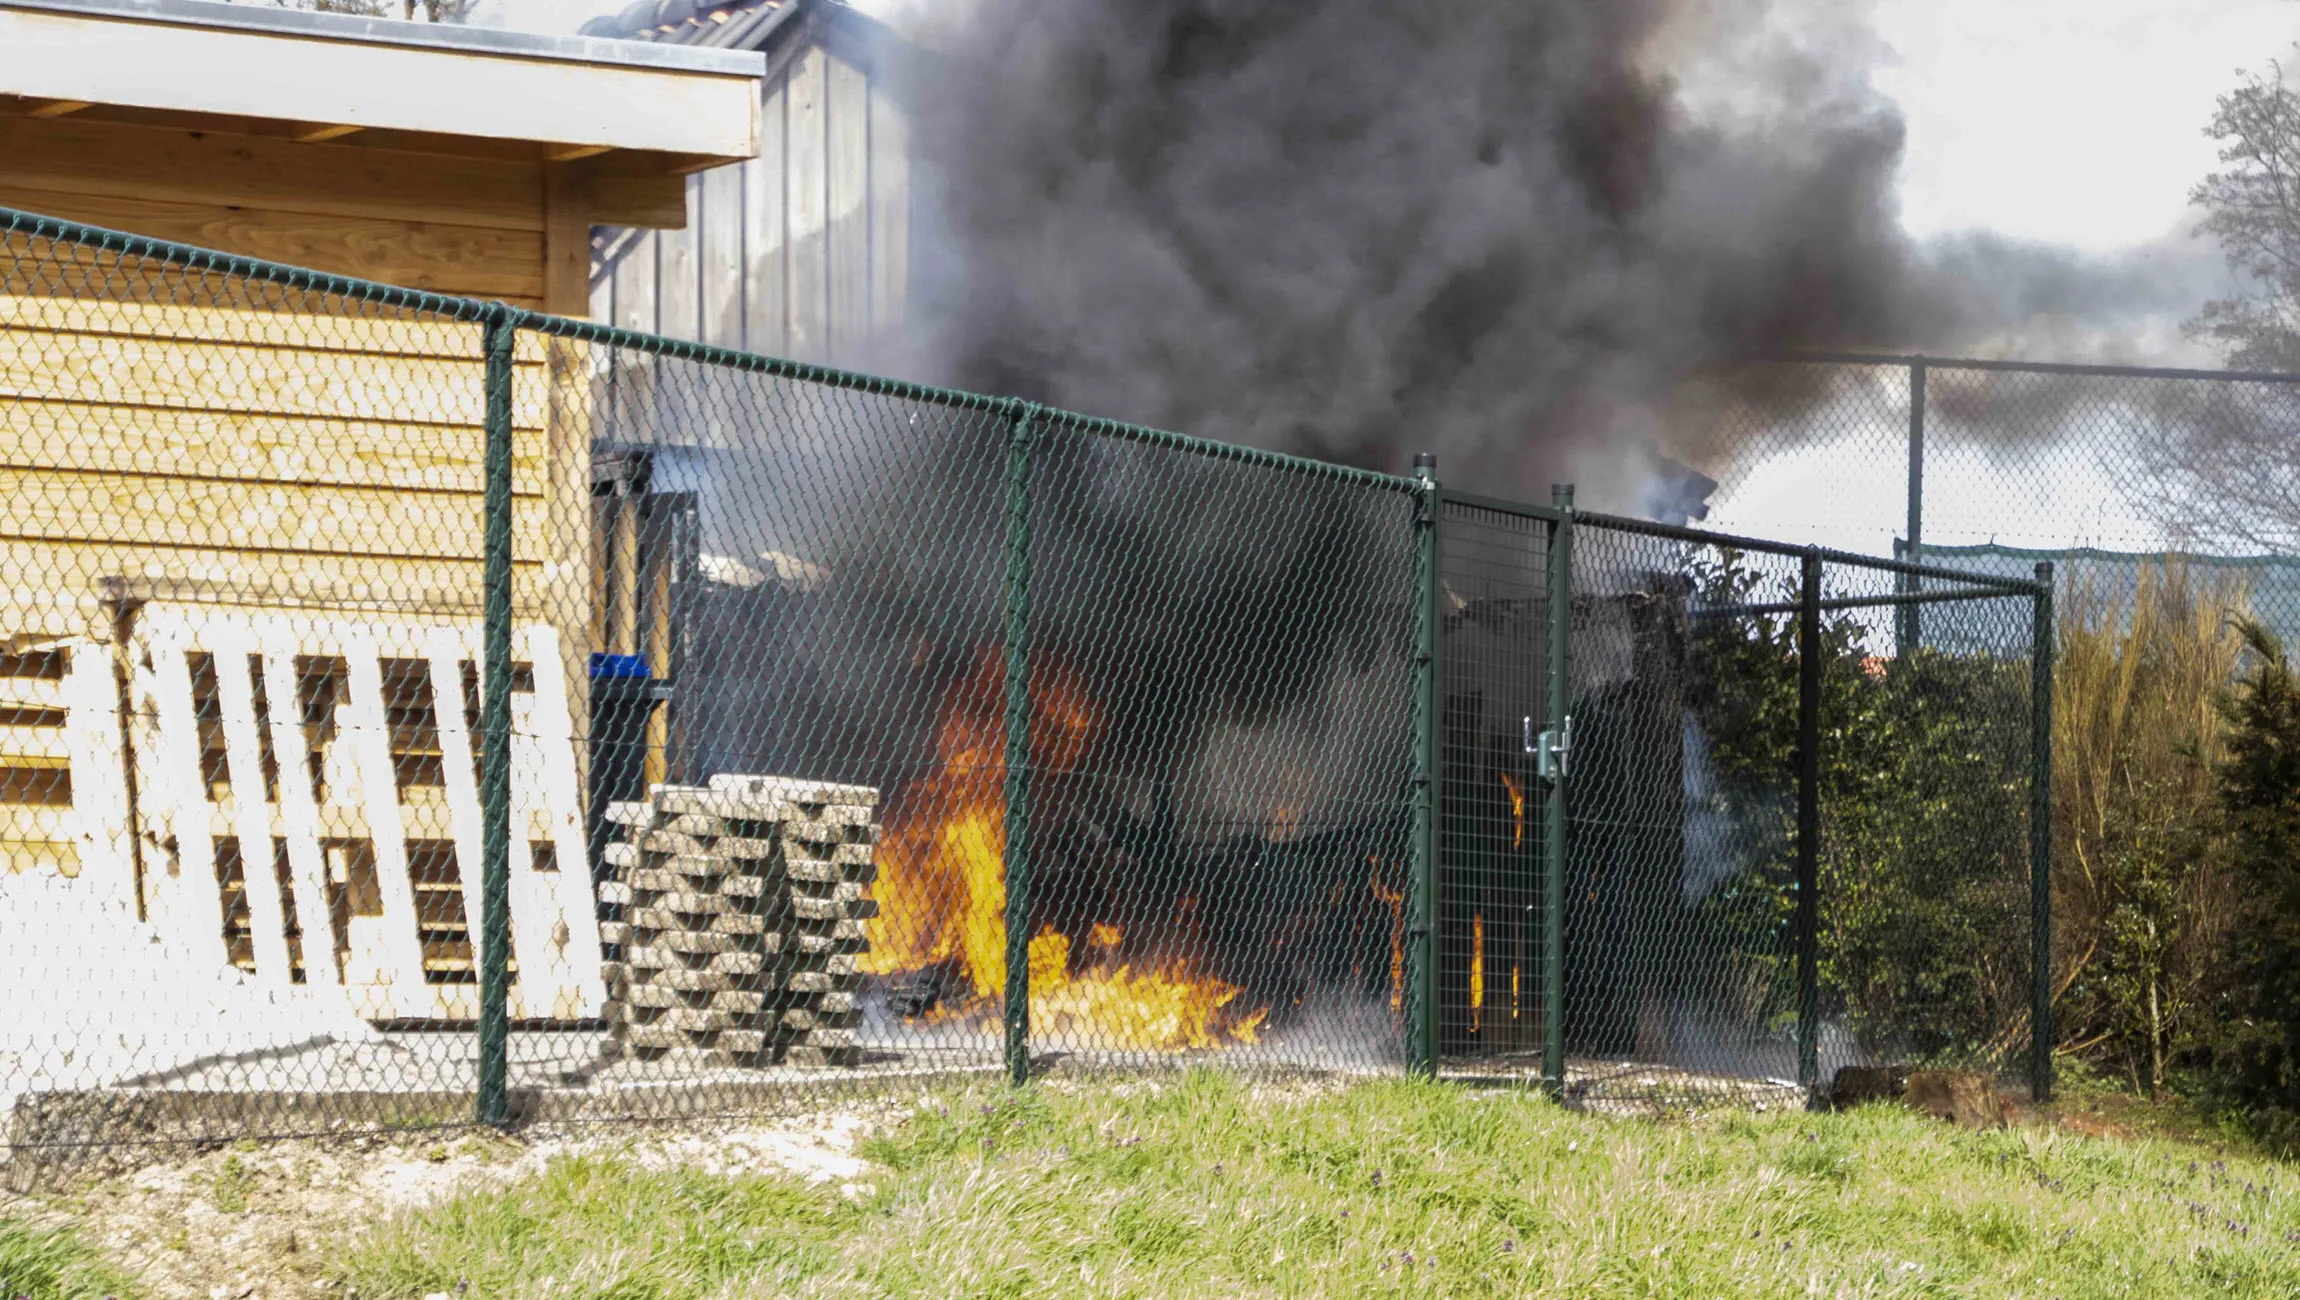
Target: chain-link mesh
column 424, row 712
column 787, row 658
column 1681, row 942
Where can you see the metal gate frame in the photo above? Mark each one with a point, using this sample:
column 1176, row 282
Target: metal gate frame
column 1551, row 745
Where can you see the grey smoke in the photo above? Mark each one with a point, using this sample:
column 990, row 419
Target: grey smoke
column 1500, row 230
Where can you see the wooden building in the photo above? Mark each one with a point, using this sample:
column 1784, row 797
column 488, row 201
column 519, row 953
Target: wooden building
column 803, row 251
column 216, row 499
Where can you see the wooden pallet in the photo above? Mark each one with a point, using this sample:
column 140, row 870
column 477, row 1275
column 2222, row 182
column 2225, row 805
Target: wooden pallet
column 376, row 845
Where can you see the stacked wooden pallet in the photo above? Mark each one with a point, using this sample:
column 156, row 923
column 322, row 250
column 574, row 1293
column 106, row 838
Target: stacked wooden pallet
column 743, row 918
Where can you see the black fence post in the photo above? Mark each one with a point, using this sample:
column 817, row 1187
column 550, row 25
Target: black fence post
column 1809, row 823
column 2042, row 655
column 1422, row 909
column 1557, row 832
column 494, row 955
column 1021, row 440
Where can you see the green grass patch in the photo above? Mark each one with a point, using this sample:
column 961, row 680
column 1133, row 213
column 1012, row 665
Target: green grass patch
column 1204, row 1187
column 53, row 1264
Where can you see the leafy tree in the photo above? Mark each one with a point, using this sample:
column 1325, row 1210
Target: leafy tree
column 2260, row 789
column 2252, row 207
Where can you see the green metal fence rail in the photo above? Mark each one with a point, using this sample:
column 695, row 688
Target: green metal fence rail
column 812, row 733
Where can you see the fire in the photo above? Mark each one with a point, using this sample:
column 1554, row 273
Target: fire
column 1476, row 972
column 1516, row 810
column 941, row 888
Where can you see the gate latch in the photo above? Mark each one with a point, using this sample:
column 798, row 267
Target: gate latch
column 1552, row 749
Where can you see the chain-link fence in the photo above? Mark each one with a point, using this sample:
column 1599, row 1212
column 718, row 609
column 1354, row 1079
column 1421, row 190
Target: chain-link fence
column 423, row 711
column 1792, row 838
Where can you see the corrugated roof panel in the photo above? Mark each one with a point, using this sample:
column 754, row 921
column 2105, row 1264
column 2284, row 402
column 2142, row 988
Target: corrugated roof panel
column 687, row 22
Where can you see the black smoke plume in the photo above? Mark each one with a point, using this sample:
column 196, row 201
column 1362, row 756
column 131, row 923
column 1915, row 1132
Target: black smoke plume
column 1500, row 230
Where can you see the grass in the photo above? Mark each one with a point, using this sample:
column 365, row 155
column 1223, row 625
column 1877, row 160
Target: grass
column 53, row 1264
column 1204, row 1187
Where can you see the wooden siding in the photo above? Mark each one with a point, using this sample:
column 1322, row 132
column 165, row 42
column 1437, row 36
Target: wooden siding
column 803, row 251
column 253, row 458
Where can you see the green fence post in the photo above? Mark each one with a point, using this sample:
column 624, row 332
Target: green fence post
column 1421, row 911
column 2042, row 657
column 1809, row 823
column 1021, row 440
column 1910, row 626
column 494, row 955
column 1557, row 830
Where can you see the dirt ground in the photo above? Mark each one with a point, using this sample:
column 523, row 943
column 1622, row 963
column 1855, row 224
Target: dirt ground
column 255, row 1222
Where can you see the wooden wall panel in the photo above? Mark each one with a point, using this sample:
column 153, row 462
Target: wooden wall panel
column 809, row 171
column 846, row 232
column 766, row 185
column 819, row 257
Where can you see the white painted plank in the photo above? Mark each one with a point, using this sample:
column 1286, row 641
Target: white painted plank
column 446, row 653
column 99, row 775
column 230, row 644
column 578, row 920
column 299, row 812
column 397, row 958
column 192, row 913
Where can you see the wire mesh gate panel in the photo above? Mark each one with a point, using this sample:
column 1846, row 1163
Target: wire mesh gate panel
column 1794, row 837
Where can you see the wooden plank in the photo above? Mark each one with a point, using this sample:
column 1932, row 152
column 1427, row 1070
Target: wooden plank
column 635, row 306
column 890, row 211
column 474, row 261
column 567, row 592
column 719, row 232
column 139, row 510
column 231, row 644
column 298, row 814
column 566, row 251
column 397, row 958
column 292, row 77
column 247, row 378
column 99, row 821
column 150, row 440
column 809, row 177
column 446, row 653
column 18, row 693
column 311, row 324
column 848, row 238
column 766, row 305
column 190, row 907
column 54, row 589
column 577, row 959
column 679, row 313
column 35, row 747
column 629, row 190
column 340, row 180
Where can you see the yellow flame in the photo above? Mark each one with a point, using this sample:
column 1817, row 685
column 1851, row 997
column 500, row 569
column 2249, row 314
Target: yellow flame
column 942, row 888
column 1476, row 972
column 1516, row 810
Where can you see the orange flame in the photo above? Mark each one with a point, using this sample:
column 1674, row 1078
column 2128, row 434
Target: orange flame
column 1516, row 810
column 1476, row 972
column 941, row 888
